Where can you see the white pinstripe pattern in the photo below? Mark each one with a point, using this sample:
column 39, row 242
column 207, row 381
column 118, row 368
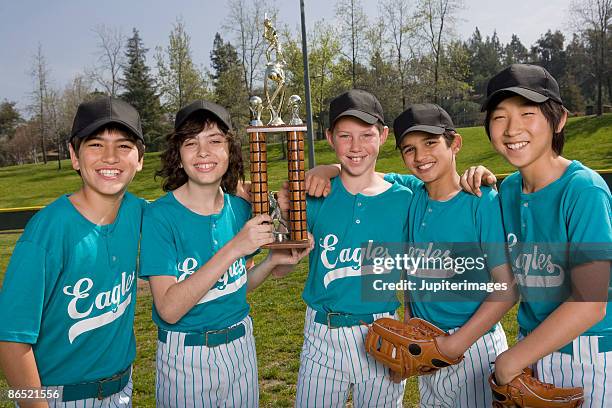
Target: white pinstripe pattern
column 334, row 362
column 587, row 368
column 200, row 376
column 122, row 399
column 465, row 385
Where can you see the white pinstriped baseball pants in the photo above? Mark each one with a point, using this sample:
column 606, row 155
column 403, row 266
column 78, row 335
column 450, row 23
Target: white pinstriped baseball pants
column 122, row 399
column 586, row 367
column 200, row 376
column 465, row 385
column 334, row 361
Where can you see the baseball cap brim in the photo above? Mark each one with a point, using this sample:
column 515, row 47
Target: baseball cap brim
column 366, row 117
column 214, row 114
column 217, row 111
column 93, row 127
column 434, row 130
column 525, row 93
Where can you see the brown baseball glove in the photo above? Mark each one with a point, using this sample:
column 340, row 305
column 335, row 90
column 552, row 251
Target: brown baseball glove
column 527, row 391
column 409, row 348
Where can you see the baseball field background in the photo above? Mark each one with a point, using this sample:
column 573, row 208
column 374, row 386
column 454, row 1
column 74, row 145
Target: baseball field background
column 277, row 306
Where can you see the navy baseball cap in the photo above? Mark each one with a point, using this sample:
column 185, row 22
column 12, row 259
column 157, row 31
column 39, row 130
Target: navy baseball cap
column 357, row 103
column 424, row 117
column 218, row 111
column 94, row 114
column 529, row 81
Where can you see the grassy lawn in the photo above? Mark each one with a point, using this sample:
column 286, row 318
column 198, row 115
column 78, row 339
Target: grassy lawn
column 277, row 307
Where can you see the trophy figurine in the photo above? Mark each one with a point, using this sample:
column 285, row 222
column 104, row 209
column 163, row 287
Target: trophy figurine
column 279, row 224
column 255, row 106
column 294, row 103
column 275, row 74
column 291, row 233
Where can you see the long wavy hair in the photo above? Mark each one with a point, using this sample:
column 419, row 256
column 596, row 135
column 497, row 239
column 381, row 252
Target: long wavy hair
column 172, row 172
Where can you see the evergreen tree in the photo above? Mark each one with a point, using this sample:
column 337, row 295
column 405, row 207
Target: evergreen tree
column 140, row 91
column 515, row 52
column 548, row 52
column 485, row 61
column 9, row 118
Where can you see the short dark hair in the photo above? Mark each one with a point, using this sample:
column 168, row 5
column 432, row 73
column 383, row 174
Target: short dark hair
column 448, row 136
column 174, row 176
column 553, row 112
column 76, row 142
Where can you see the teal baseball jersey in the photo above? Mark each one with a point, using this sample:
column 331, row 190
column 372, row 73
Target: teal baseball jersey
column 574, row 210
column 70, row 292
column 177, row 242
column 346, row 228
column 475, row 225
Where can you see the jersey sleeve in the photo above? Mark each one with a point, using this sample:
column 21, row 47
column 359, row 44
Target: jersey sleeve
column 158, row 255
column 406, row 180
column 490, row 228
column 22, row 296
column 589, row 227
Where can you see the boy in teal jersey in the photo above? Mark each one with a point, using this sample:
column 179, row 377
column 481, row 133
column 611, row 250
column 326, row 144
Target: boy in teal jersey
column 195, row 242
column 361, row 209
column 68, row 296
column 442, row 218
column 558, row 224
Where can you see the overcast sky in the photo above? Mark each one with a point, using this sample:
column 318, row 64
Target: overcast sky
column 64, row 29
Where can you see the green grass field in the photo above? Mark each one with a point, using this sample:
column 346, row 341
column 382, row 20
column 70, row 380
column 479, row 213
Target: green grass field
column 277, row 307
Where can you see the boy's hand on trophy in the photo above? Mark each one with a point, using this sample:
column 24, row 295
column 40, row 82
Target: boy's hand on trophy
column 255, row 233
column 282, row 196
column 286, row 259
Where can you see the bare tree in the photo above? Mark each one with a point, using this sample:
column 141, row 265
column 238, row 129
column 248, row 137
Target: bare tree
column 109, row 58
column 22, row 147
column 39, row 73
column 52, row 109
column 245, row 22
column 595, row 16
column 353, row 27
column 401, row 26
column 438, row 19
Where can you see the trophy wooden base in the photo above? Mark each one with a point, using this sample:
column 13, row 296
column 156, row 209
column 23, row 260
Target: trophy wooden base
column 287, row 245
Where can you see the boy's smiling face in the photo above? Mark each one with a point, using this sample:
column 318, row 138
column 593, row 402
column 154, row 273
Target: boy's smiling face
column 428, row 156
column 357, row 144
column 107, row 162
column 520, row 132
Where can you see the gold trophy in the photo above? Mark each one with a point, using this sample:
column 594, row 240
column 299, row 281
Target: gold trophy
column 292, row 233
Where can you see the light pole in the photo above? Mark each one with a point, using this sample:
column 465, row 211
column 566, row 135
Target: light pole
column 309, row 135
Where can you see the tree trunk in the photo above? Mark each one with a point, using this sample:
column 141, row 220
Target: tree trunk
column 59, row 152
